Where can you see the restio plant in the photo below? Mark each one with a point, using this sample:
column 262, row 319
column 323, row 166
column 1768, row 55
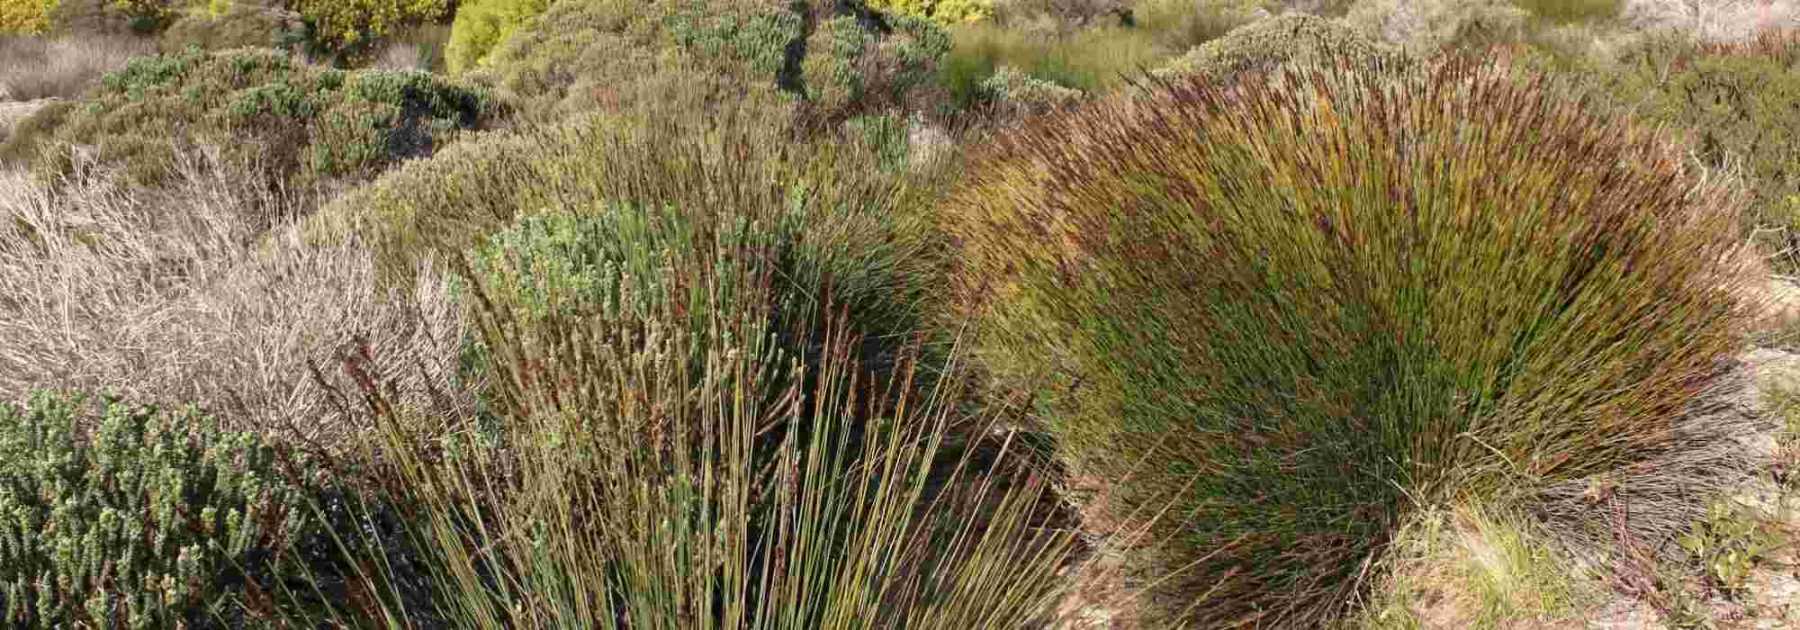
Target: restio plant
column 1285, row 313
column 481, row 25
column 1290, row 39
column 114, row 515
column 666, row 452
column 262, row 106
column 833, row 60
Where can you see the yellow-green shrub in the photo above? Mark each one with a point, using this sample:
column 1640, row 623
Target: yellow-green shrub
column 1286, row 311
column 946, row 11
column 27, row 17
column 1265, row 44
column 349, row 23
column 482, row 24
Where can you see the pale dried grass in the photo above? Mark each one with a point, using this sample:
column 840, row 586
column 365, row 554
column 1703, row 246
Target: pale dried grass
column 33, row 68
column 203, row 293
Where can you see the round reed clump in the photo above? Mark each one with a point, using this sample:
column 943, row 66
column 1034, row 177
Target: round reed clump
column 1275, row 315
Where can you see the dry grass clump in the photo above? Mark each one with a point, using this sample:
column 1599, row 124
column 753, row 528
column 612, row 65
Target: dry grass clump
column 32, row 68
column 155, row 295
column 1287, row 312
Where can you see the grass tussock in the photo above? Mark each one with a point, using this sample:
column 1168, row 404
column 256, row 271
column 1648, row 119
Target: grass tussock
column 34, row 68
column 1291, row 311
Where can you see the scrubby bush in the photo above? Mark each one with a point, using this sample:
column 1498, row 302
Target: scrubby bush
column 1735, row 103
column 1016, row 93
column 344, row 24
column 1426, row 26
column 837, row 59
column 28, row 17
column 137, row 517
column 1286, row 313
column 237, row 24
column 25, row 137
column 262, row 105
column 482, row 24
column 1289, row 39
column 946, row 11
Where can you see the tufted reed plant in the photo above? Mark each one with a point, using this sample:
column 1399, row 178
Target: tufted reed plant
column 666, row 452
column 1284, row 313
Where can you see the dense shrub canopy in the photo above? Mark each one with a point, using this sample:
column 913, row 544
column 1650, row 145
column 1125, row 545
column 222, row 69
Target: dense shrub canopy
column 837, row 58
column 264, row 106
column 1288, row 309
column 482, row 24
column 1264, row 44
column 1736, row 104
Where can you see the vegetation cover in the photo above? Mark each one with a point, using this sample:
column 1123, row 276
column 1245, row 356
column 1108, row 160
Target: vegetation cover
column 1287, row 311
column 263, row 106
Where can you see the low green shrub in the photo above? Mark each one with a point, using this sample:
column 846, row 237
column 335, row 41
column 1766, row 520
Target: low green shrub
column 482, row 24
column 351, row 24
column 1286, row 313
column 836, row 59
column 1289, row 39
column 25, row 139
column 263, row 107
column 130, row 516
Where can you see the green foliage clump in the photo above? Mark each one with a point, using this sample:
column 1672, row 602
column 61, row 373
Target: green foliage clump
column 262, row 107
column 1019, row 93
column 480, row 27
column 1735, row 103
column 137, row 517
column 836, row 59
column 1290, row 311
column 1289, row 39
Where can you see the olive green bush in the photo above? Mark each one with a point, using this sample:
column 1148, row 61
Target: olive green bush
column 341, row 24
column 237, row 24
column 1285, row 313
column 311, row 122
column 1265, row 44
column 835, row 60
column 120, row 516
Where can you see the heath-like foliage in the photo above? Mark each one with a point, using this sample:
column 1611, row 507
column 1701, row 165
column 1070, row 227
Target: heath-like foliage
column 1265, row 44
column 134, row 517
column 836, row 59
column 264, row 105
column 1282, row 313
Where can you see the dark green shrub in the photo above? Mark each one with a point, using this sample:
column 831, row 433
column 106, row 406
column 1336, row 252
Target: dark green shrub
column 1265, row 44
column 1290, row 310
column 265, row 107
column 130, row 516
column 838, row 59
